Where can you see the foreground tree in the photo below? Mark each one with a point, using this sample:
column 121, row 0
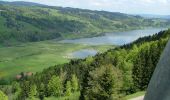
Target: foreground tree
column 15, row 87
column 3, row 96
column 74, row 83
column 33, row 91
column 16, row 90
column 68, row 88
column 145, row 64
column 25, row 89
column 41, row 91
column 104, row 83
column 55, row 86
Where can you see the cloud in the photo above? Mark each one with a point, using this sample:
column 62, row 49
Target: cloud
column 125, row 6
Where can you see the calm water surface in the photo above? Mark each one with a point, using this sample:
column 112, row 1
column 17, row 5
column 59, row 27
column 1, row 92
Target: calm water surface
column 84, row 53
column 115, row 38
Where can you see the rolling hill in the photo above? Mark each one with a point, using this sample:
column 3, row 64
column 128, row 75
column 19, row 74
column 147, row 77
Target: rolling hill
column 30, row 22
column 155, row 16
column 41, row 68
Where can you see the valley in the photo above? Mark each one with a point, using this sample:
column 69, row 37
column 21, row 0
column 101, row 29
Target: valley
column 34, row 57
column 66, row 53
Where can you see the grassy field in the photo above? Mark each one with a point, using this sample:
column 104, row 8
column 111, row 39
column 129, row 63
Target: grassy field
column 34, row 57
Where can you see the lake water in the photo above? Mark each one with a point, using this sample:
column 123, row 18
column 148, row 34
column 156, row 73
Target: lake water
column 115, row 38
column 84, row 53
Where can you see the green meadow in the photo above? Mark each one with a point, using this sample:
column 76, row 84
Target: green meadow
column 35, row 56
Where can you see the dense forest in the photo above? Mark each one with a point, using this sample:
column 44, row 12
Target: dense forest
column 106, row 76
column 29, row 22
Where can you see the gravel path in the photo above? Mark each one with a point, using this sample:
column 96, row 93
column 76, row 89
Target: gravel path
column 138, row 98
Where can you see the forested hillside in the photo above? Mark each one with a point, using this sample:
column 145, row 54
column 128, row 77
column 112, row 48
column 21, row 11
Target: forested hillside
column 25, row 22
column 110, row 75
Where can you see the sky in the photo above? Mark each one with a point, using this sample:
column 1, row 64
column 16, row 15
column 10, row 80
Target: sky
column 158, row 7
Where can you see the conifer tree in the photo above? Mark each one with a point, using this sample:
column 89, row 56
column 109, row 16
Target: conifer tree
column 3, row 96
column 33, row 91
column 74, row 83
column 55, row 86
column 68, row 88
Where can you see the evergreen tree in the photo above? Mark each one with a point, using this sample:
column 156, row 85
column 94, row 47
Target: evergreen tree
column 144, row 66
column 74, row 83
column 104, row 83
column 16, row 90
column 55, row 86
column 25, row 89
column 15, row 87
column 33, row 91
column 41, row 91
column 3, row 96
column 68, row 88
column 138, row 70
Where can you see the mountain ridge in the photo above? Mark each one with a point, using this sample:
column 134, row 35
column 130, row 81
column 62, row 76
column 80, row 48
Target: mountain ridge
column 22, row 3
column 37, row 23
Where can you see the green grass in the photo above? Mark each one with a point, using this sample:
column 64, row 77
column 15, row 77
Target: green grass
column 135, row 95
column 34, row 57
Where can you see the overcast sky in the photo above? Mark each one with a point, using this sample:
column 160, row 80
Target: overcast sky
column 161, row 7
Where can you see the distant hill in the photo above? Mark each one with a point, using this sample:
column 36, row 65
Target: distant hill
column 29, row 22
column 21, row 3
column 155, row 16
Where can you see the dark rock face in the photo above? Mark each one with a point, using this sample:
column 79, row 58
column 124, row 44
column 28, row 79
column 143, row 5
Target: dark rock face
column 159, row 86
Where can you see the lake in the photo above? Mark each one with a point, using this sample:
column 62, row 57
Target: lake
column 84, row 53
column 115, row 38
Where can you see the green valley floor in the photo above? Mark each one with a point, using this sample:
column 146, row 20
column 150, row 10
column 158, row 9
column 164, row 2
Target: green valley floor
column 34, row 57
